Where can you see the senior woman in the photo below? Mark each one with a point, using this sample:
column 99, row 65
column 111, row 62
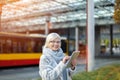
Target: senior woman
column 52, row 65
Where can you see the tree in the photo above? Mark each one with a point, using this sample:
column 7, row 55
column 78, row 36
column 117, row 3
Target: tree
column 116, row 15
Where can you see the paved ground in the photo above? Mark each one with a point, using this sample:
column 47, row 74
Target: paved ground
column 100, row 62
column 24, row 73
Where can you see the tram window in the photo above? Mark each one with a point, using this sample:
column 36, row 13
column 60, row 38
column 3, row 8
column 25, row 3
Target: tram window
column 3, row 46
column 0, row 46
column 30, row 46
column 19, row 47
column 14, row 47
column 38, row 44
column 8, row 46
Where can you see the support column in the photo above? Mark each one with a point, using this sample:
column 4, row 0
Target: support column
column 111, row 39
column 76, row 38
column 90, row 35
column 47, row 26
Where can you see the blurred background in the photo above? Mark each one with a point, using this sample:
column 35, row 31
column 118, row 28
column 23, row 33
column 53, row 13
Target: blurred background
column 24, row 25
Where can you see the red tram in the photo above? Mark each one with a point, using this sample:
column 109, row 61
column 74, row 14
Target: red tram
column 22, row 49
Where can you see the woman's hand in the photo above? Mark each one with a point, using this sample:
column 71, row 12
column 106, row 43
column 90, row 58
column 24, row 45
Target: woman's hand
column 74, row 63
column 65, row 59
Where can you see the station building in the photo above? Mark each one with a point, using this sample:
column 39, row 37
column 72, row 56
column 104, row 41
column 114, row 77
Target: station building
column 63, row 17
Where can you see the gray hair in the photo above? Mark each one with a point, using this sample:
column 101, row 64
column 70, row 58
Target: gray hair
column 50, row 37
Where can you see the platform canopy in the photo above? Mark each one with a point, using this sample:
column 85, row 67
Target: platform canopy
column 31, row 14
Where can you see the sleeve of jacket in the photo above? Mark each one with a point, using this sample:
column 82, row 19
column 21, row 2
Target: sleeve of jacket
column 48, row 72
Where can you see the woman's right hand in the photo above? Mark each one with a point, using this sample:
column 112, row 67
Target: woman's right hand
column 65, row 59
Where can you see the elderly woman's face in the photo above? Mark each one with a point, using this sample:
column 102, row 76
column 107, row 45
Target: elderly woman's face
column 55, row 44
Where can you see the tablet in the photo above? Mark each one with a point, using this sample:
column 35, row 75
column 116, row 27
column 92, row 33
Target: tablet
column 73, row 56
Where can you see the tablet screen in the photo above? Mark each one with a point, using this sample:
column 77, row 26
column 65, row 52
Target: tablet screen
column 73, row 56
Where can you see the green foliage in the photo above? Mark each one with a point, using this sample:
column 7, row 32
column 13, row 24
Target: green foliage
column 111, row 72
